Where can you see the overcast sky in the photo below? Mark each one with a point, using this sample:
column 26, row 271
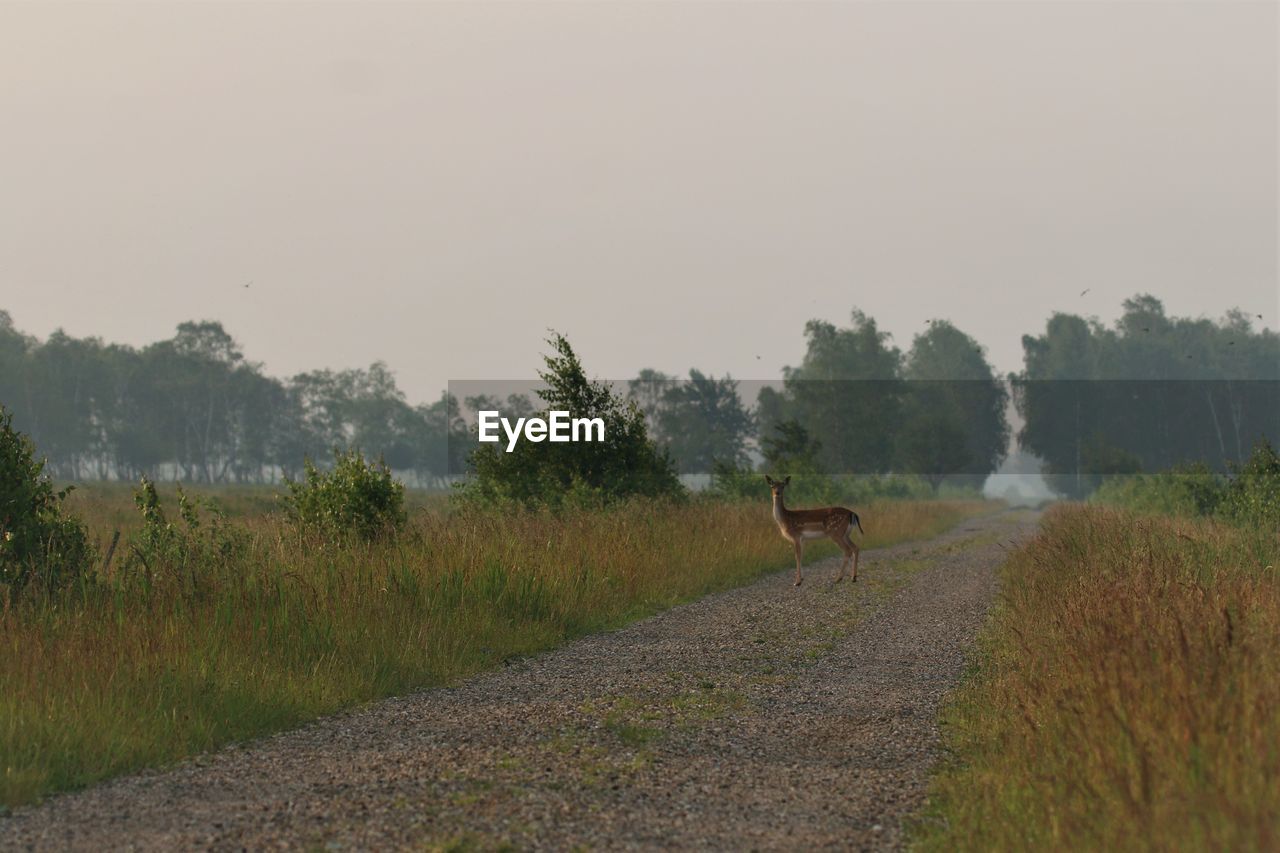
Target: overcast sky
column 670, row 184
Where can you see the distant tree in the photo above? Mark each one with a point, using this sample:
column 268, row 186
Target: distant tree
column 1152, row 393
column 703, row 421
column 483, row 403
column 952, row 388
column 518, row 406
column 789, row 449
column 933, row 443
column 648, row 391
column 379, row 416
column 442, row 440
column 846, row 393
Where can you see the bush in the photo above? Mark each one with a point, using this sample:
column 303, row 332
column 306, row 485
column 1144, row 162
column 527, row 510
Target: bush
column 38, row 540
column 1250, row 495
column 1187, row 490
column 357, row 499
column 1253, row 495
column 733, row 482
column 184, row 552
column 625, row 464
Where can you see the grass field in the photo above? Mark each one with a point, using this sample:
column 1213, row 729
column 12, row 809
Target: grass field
column 136, row 671
column 1127, row 694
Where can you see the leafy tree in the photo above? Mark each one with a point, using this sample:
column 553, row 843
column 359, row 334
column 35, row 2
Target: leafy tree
column 933, row 444
column 703, row 421
column 790, row 449
column 625, row 464
column 14, row 352
column 648, row 391
column 1152, row 393
column 441, row 440
column 952, row 392
column 847, row 394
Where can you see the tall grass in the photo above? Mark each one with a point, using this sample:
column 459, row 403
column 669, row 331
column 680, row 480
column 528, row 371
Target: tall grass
column 142, row 669
column 1128, row 695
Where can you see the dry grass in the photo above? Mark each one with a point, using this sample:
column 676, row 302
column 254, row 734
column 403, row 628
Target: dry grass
column 1128, row 696
column 135, row 672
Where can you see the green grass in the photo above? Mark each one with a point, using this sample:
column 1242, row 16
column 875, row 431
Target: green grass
column 138, row 671
column 1127, row 694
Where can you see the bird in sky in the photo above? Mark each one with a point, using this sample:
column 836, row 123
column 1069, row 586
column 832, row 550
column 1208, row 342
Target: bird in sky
column 249, row 282
column 1086, row 290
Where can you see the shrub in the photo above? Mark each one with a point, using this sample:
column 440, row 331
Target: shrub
column 38, row 539
column 184, row 552
column 1253, row 495
column 1249, row 496
column 1187, row 490
column 357, row 499
column 734, row 482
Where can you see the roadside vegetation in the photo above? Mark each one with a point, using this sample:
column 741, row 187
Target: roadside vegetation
column 1127, row 690
column 225, row 633
column 1248, row 495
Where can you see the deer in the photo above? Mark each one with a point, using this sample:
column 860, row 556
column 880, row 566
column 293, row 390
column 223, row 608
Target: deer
column 833, row 522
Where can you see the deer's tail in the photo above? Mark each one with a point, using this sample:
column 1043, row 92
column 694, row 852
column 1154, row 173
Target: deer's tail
column 858, row 522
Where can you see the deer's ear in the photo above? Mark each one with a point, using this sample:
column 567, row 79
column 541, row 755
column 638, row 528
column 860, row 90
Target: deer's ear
column 768, row 479
column 787, row 481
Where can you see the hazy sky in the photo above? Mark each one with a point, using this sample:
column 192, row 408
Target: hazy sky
column 671, row 184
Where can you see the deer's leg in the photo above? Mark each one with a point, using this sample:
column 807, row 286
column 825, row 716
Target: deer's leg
column 798, row 543
column 847, row 547
column 856, row 551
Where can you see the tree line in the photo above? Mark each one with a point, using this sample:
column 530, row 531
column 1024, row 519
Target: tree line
column 193, row 408
column 1147, row 393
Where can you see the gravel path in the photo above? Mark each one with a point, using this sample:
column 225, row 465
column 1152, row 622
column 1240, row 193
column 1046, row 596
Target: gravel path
column 764, row 717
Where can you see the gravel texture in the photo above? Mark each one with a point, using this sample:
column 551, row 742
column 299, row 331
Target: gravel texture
column 761, row 718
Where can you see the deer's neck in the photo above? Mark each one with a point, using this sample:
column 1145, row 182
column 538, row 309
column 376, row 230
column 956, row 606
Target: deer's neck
column 779, row 511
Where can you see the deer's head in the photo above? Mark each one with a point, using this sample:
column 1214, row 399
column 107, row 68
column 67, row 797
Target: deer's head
column 776, row 486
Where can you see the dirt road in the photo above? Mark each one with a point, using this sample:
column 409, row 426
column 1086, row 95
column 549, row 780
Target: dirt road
column 765, row 717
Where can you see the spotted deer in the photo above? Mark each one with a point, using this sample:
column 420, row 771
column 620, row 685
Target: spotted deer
column 833, row 522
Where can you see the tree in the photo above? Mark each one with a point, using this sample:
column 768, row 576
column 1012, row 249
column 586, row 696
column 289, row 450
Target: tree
column 1151, row 393
column 846, row 393
column 933, row 444
column 648, row 391
column 625, row 464
column 952, row 387
column 703, row 421
column 790, row 449
column 442, row 440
